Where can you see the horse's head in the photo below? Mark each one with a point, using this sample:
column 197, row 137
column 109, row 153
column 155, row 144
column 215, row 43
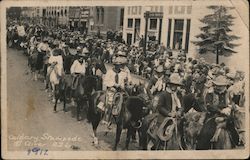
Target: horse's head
column 192, row 125
column 58, row 69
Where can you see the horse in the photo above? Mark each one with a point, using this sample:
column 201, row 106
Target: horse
column 84, row 89
column 32, row 59
column 55, row 73
column 228, row 137
column 131, row 112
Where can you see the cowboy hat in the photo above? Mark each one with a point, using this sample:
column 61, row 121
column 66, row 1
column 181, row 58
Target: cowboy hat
column 175, row 79
column 122, row 54
column 159, row 69
column 120, row 60
column 221, row 81
column 166, row 129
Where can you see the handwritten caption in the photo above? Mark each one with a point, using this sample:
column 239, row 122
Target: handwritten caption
column 37, row 151
column 46, row 140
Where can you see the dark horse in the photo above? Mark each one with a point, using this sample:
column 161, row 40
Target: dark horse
column 133, row 109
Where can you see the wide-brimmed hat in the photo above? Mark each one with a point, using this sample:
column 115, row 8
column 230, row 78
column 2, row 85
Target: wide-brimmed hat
column 121, row 54
column 120, row 60
column 221, row 81
column 166, row 129
column 159, row 69
column 175, row 79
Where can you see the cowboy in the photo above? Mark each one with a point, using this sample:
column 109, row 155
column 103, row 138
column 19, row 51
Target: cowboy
column 115, row 81
column 78, row 68
column 157, row 82
column 218, row 106
column 170, row 100
column 168, row 104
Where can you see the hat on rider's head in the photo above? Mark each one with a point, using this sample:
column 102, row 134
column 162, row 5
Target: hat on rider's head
column 165, row 131
column 175, row 79
column 57, row 52
column 221, row 81
column 82, row 55
column 159, row 69
column 121, row 54
column 120, row 60
column 78, row 48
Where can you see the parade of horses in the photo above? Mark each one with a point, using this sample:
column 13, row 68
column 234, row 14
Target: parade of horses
column 176, row 102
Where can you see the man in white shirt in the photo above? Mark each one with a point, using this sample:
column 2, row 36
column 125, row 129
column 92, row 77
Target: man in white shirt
column 78, row 68
column 118, row 76
column 115, row 81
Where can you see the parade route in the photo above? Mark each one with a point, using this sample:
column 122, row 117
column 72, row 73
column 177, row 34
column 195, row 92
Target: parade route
column 32, row 123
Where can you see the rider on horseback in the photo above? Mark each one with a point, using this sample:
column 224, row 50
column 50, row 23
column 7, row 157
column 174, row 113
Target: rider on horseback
column 115, row 81
column 157, row 82
column 218, row 105
column 169, row 105
column 78, row 69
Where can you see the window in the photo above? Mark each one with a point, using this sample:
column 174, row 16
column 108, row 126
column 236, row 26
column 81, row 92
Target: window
column 178, row 32
column 153, row 24
column 130, row 23
column 121, row 17
column 137, row 29
column 129, row 38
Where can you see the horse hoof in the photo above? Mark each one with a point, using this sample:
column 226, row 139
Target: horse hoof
column 55, row 111
column 125, row 148
column 134, row 141
column 96, row 141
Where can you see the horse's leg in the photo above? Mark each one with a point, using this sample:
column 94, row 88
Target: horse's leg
column 64, row 99
column 55, row 105
column 118, row 135
column 78, row 109
column 53, row 92
column 95, row 123
column 130, row 131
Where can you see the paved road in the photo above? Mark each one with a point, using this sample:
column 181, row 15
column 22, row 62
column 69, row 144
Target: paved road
column 31, row 118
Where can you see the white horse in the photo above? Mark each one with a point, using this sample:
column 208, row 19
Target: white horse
column 55, row 73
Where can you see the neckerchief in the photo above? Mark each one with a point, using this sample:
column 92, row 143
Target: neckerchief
column 175, row 100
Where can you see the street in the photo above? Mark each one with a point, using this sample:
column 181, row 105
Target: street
column 32, row 123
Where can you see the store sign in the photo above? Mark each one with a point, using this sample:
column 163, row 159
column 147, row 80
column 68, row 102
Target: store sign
column 153, row 14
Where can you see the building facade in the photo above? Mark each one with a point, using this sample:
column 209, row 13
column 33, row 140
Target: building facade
column 55, row 16
column 79, row 18
column 181, row 23
column 134, row 23
column 103, row 19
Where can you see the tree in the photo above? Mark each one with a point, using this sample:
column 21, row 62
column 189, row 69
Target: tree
column 215, row 35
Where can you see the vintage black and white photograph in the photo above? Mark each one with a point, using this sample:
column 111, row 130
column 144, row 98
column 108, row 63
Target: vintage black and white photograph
column 126, row 76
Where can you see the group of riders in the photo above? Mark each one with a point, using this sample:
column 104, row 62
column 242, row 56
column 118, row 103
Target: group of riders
column 179, row 86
